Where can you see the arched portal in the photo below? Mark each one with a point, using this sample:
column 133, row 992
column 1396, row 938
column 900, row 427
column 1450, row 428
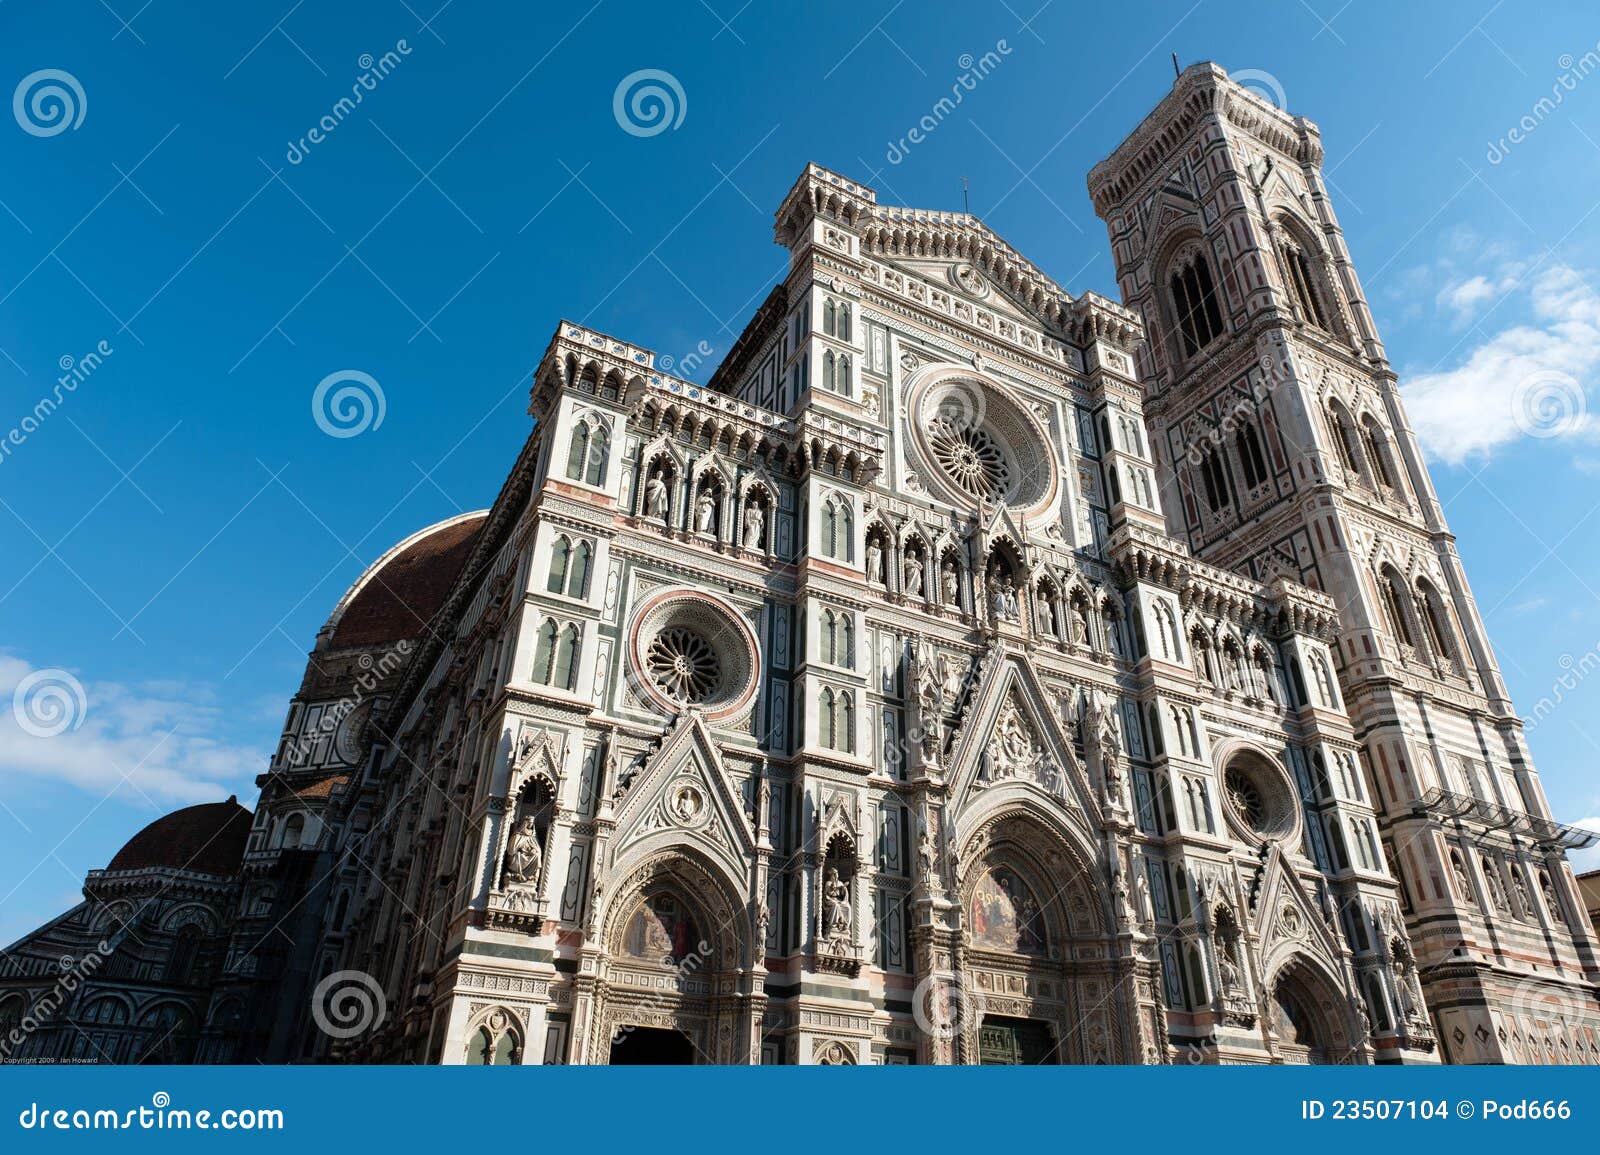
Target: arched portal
column 1309, row 1018
column 1037, row 977
column 675, row 957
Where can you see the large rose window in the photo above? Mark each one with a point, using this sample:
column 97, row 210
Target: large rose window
column 980, row 444
column 684, row 665
column 690, row 648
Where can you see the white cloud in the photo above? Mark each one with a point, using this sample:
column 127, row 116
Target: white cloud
column 156, row 739
column 1528, row 379
column 1464, row 298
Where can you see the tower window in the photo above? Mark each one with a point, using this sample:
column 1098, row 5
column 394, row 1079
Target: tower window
column 1194, row 302
column 1251, row 459
column 1215, row 476
column 1303, row 284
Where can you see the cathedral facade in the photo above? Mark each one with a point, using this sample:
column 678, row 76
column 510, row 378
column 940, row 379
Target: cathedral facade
column 970, row 672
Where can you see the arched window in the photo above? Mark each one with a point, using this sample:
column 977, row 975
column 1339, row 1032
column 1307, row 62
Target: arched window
column 1389, row 588
column 564, row 676
column 846, row 648
column 1214, row 474
column 559, row 553
column 844, row 322
column 826, row 720
column 827, row 316
column 1194, row 304
column 845, row 730
column 578, row 451
column 544, row 652
column 1303, row 284
column 838, row 529
column 599, row 456
column 1344, row 437
column 842, row 381
column 828, row 381
column 578, row 578
column 185, row 953
column 1251, row 459
column 1378, row 452
column 1429, row 612
column 293, row 831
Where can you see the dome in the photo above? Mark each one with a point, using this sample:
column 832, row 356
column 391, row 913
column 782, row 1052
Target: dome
column 402, row 590
column 208, row 839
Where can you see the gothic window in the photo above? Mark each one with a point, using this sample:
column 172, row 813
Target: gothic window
column 544, row 651
column 1389, row 588
column 1194, row 304
column 1428, row 612
column 488, row 1047
column 837, row 720
column 1214, row 475
column 560, row 552
column 844, row 322
column 185, row 953
column 842, row 383
column 578, row 575
column 1344, row 438
column 838, row 528
column 828, row 315
column 1324, row 682
column 564, row 674
column 1251, row 459
column 588, row 452
column 293, row 831
column 1378, row 452
column 1303, row 283
column 845, row 640
column 829, row 380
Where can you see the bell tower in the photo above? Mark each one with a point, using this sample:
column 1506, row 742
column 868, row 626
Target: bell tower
column 1277, row 428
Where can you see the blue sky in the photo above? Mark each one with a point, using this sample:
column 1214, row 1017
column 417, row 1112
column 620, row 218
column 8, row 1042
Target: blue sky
column 174, row 533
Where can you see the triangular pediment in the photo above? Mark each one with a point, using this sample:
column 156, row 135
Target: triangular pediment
column 1286, row 917
column 1009, row 737
column 682, row 793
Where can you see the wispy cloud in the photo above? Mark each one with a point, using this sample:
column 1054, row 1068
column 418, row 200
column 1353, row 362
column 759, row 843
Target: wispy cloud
column 155, row 740
column 1586, row 860
column 1531, row 378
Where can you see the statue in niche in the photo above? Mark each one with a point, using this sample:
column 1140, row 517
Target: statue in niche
column 874, row 561
column 1047, row 616
column 835, row 907
column 1549, row 892
column 911, row 571
column 950, row 584
column 755, row 526
column 656, row 498
column 997, row 598
column 1080, row 625
column 927, row 853
column 1459, row 869
column 1524, row 899
column 523, row 855
column 1013, row 612
column 705, row 512
column 1228, row 965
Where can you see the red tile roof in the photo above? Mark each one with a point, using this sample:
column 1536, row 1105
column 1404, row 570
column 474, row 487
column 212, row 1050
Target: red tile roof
column 398, row 601
column 209, row 839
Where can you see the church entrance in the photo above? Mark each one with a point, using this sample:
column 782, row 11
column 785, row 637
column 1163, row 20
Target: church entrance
column 1008, row 1042
column 652, row 1047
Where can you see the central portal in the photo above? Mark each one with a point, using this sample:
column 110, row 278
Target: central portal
column 651, row 1046
column 1008, row 1042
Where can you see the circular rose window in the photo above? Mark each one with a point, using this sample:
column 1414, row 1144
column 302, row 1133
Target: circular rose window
column 693, row 649
column 1260, row 798
column 980, row 444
